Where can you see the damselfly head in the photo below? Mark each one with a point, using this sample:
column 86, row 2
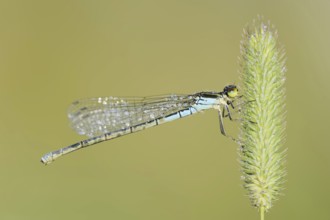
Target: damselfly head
column 231, row 91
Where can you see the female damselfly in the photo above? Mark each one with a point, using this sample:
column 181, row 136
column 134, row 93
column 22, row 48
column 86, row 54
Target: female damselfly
column 107, row 118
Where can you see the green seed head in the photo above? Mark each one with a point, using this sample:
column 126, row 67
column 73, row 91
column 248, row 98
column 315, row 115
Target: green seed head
column 263, row 115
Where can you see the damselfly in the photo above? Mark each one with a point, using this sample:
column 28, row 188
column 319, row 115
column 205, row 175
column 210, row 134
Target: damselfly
column 107, row 118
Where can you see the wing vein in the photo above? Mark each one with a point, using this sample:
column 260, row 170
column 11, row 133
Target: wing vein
column 96, row 116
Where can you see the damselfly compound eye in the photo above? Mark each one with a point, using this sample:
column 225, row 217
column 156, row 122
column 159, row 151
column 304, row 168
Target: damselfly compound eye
column 231, row 91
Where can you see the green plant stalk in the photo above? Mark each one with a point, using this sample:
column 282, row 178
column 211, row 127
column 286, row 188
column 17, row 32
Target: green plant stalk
column 262, row 213
column 262, row 129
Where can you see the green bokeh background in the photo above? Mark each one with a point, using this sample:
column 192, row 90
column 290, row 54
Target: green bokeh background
column 53, row 52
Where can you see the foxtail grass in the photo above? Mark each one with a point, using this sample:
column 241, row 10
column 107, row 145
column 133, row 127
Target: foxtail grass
column 262, row 128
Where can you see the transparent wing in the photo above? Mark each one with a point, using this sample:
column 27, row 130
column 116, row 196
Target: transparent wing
column 96, row 116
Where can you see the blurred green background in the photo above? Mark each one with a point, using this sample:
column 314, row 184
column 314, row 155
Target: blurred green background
column 53, row 52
